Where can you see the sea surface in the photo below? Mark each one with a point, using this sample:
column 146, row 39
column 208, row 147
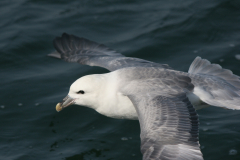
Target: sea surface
column 171, row 32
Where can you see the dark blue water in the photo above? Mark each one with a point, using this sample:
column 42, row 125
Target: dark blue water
column 172, row 32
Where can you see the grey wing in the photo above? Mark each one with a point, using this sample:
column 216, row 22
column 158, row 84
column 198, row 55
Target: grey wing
column 75, row 49
column 168, row 121
column 169, row 127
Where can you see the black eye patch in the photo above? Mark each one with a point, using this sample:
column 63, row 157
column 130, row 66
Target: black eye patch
column 80, row 92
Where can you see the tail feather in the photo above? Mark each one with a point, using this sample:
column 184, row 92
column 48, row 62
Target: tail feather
column 204, row 67
column 215, row 85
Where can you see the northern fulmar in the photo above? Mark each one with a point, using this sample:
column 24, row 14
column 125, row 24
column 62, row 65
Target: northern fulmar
column 161, row 98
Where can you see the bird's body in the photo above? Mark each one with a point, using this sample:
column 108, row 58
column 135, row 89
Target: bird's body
column 160, row 97
column 110, row 102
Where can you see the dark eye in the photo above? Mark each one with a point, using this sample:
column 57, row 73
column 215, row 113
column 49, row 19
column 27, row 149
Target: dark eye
column 80, row 92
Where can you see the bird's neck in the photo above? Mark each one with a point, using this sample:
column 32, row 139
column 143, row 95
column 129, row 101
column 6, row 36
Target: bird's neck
column 110, row 102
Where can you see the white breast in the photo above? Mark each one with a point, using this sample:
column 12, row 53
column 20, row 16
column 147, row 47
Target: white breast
column 118, row 106
column 113, row 104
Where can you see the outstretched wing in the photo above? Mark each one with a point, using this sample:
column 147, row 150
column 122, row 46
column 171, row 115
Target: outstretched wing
column 169, row 128
column 86, row 52
column 168, row 121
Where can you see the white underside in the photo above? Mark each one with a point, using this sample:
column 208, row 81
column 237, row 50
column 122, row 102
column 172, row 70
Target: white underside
column 119, row 107
column 113, row 103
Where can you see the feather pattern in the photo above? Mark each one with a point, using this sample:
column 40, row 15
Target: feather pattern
column 214, row 85
column 168, row 121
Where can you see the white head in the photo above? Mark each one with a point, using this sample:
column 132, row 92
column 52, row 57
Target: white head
column 84, row 91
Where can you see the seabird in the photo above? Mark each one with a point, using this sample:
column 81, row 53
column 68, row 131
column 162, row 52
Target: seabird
column 162, row 99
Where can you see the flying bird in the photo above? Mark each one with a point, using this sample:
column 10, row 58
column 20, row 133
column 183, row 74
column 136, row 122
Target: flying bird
column 164, row 100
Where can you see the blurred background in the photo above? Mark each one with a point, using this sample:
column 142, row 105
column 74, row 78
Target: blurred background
column 31, row 83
